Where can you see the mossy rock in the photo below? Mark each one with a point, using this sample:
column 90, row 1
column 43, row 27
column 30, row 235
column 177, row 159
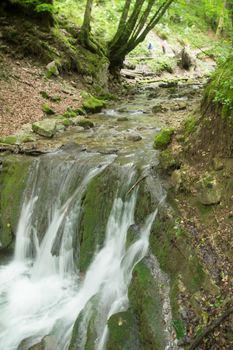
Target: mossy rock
column 92, row 104
column 52, row 69
column 47, row 109
column 9, row 140
column 80, row 111
column 163, row 138
column 167, row 162
column 85, row 123
column 123, row 331
column 46, row 128
column 209, row 191
column 13, row 179
column 70, row 114
column 146, row 302
column 97, row 205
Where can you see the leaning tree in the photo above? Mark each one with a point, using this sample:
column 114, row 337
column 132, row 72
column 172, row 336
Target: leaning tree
column 137, row 19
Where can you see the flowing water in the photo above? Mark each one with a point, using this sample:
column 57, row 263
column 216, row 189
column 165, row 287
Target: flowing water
column 41, row 290
column 43, row 294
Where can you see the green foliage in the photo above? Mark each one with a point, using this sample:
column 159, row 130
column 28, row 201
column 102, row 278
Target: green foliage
column 190, row 125
column 220, row 90
column 179, row 327
column 163, row 138
column 37, row 5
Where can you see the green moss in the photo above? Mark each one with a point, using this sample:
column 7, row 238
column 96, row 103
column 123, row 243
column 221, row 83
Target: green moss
column 123, row 331
column 47, row 109
column 190, row 125
column 70, row 114
column 96, row 205
column 163, row 138
column 9, row 140
column 92, row 104
column 67, row 122
column 220, row 89
column 146, row 303
column 167, row 162
column 12, row 183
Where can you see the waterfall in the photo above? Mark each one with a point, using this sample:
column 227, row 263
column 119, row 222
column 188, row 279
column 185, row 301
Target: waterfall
column 41, row 291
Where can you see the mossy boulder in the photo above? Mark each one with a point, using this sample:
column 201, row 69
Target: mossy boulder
column 91, row 104
column 13, row 177
column 163, row 138
column 45, row 127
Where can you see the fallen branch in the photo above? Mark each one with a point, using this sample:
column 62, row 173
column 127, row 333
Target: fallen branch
column 209, row 329
column 136, row 183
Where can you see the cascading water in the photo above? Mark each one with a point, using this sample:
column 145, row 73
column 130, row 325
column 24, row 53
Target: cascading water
column 41, row 292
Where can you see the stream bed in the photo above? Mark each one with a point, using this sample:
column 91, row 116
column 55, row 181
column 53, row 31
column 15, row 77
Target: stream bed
column 84, row 221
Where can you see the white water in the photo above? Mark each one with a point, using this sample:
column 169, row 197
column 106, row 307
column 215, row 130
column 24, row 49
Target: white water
column 41, row 293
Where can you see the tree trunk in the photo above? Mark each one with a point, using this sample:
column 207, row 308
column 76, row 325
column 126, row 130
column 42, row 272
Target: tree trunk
column 133, row 29
column 85, row 33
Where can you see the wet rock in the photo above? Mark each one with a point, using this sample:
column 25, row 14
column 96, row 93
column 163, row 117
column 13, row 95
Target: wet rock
column 122, row 119
column 134, row 137
column 85, row 123
column 208, row 190
column 46, row 127
column 168, row 84
column 179, row 106
column 159, row 108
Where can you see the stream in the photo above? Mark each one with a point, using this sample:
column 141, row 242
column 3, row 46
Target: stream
column 79, row 236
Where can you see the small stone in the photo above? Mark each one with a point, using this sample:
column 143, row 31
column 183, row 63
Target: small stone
column 217, row 164
column 122, row 119
column 134, row 137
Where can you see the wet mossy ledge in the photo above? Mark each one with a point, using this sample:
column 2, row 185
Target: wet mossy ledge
column 13, row 178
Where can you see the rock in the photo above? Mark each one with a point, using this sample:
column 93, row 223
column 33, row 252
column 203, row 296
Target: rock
column 134, row 137
column 85, row 123
column 217, row 164
column 168, row 84
column 159, row 108
column 122, row 119
column 163, row 138
column 208, row 190
column 47, row 109
column 52, row 69
column 9, row 140
column 60, row 127
column 179, row 106
column 167, row 162
column 92, row 104
column 45, row 127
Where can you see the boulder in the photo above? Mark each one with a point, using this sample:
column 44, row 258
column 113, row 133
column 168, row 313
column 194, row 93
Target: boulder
column 52, row 69
column 134, row 137
column 45, row 127
column 208, row 190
